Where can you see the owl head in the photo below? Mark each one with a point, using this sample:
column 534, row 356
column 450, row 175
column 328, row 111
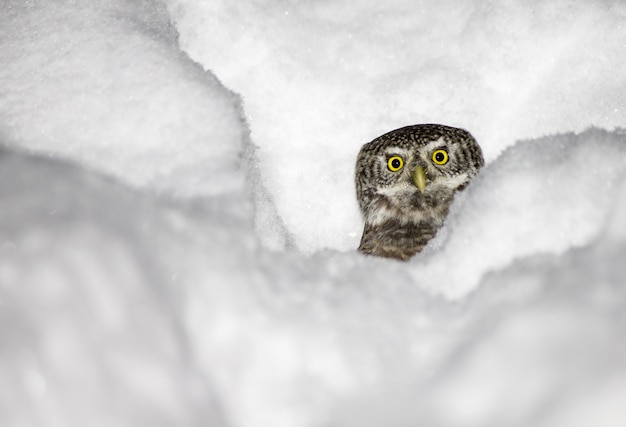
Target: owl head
column 405, row 182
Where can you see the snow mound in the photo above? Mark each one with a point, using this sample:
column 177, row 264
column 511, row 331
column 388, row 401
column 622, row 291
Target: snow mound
column 136, row 288
column 91, row 322
column 104, row 84
column 320, row 79
column 176, row 315
column 540, row 197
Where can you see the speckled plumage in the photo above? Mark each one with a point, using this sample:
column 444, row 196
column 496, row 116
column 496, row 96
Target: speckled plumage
column 401, row 218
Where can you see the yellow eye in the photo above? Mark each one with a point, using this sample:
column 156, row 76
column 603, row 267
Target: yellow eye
column 395, row 163
column 440, row 157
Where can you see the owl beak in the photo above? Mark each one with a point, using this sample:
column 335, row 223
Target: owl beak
column 419, row 178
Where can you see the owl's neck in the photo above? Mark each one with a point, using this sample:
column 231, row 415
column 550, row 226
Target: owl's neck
column 393, row 239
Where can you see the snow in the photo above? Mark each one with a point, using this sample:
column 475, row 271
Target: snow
column 177, row 244
column 104, row 84
column 544, row 196
column 341, row 73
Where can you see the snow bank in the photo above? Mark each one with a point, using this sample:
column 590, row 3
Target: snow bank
column 91, row 326
column 175, row 314
column 339, row 338
column 124, row 304
column 339, row 74
column 539, row 197
column 103, row 83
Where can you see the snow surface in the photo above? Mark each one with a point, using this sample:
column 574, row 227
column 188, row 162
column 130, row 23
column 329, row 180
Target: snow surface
column 104, row 83
column 177, row 244
column 341, row 73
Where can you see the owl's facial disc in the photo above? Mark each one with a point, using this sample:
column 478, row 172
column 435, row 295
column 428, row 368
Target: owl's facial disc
column 406, row 180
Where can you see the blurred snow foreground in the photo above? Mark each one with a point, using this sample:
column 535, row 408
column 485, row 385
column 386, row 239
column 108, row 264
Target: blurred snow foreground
column 174, row 253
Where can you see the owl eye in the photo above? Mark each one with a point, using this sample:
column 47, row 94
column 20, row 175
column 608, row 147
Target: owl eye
column 440, row 157
column 395, row 163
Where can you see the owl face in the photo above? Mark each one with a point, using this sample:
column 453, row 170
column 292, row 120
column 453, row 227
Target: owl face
column 409, row 176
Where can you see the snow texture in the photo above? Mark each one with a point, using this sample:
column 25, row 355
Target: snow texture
column 103, row 83
column 178, row 219
column 341, row 73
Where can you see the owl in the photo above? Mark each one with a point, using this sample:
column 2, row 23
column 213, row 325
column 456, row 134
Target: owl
column 405, row 182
